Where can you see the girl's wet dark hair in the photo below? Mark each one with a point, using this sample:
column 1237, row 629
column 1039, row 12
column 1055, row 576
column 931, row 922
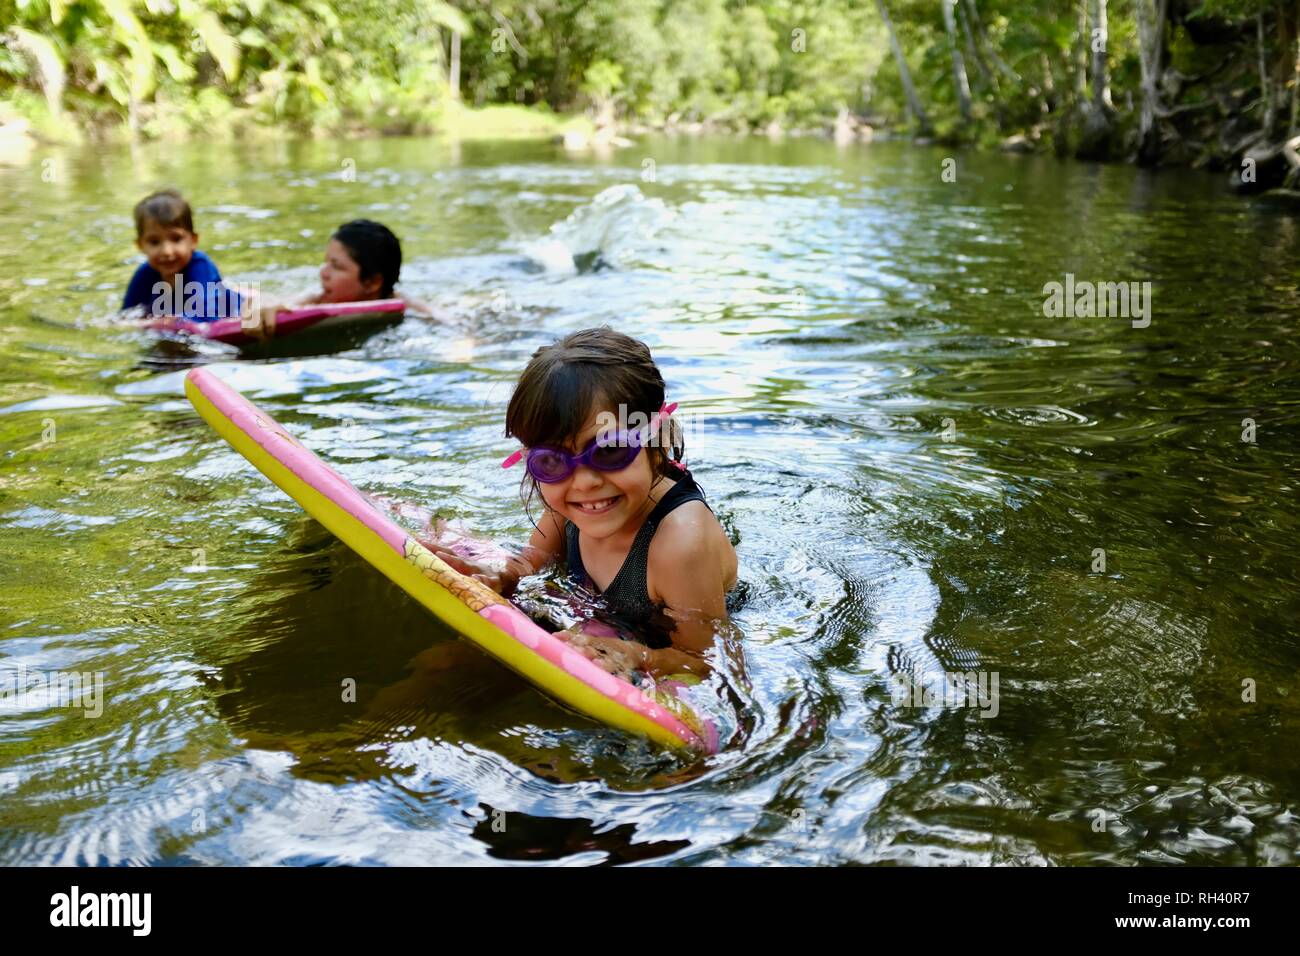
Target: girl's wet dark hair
column 583, row 374
column 167, row 207
column 375, row 250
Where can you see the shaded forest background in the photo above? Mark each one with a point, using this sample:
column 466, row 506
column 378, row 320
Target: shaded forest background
column 1188, row 82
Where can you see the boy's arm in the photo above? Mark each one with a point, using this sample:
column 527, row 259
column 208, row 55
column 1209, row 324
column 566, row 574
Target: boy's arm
column 203, row 271
column 259, row 313
column 417, row 306
column 139, row 290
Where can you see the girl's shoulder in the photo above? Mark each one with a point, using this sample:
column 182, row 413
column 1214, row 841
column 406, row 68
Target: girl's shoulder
column 691, row 564
column 690, row 536
column 690, row 524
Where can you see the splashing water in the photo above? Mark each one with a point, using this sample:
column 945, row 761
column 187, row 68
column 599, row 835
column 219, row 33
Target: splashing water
column 605, row 233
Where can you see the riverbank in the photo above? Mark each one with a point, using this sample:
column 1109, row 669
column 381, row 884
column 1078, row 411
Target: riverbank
column 1199, row 83
column 25, row 118
column 1218, row 141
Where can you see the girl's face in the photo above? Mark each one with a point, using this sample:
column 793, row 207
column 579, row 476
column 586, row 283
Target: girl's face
column 340, row 277
column 601, row 503
column 169, row 249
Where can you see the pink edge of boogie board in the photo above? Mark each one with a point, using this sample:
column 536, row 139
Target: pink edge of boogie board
column 499, row 628
column 231, row 331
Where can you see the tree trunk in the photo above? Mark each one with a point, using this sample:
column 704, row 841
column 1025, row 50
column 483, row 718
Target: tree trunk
column 913, row 101
column 1151, row 33
column 1098, row 129
column 1100, row 70
column 1285, row 67
column 454, row 77
column 958, row 63
column 1081, row 58
column 973, row 52
column 969, row 29
column 1048, row 100
column 1265, row 81
column 1295, row 83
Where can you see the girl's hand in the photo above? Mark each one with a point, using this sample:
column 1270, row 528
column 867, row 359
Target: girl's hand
column 618, row 657
column 481, row 560
column 492, row 574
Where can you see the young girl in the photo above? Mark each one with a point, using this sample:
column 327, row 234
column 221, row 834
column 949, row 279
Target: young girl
column 362, row 262
column 624, row 518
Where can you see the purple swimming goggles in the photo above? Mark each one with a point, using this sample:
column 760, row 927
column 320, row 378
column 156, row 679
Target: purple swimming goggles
column 605, row 453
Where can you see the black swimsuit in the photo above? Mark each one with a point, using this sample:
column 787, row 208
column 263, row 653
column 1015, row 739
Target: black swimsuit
column 627, row 596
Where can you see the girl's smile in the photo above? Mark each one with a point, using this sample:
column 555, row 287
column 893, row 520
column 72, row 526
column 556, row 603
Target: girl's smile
column 599, row 506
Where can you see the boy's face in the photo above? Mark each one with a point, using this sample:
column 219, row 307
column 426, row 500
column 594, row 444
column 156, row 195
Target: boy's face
column 340, row 277
column 601, row 503
column 168, row 248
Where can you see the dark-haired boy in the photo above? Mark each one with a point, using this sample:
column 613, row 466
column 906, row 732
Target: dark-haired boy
column 362, row 262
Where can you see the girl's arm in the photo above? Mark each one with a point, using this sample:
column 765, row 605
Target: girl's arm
column 692, row 566
column 545, row 545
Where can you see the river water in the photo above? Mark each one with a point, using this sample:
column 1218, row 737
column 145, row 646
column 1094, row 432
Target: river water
column 925, row 473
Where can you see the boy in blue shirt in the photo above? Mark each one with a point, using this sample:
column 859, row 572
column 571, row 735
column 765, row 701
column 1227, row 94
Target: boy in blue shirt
column 177, row 279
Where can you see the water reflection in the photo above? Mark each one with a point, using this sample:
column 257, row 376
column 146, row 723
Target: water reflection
column 919, row 464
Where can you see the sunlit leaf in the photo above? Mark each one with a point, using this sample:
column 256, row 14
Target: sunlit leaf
column 177, row 68
column 223, row 47
column 252, row 37
column 49, row 64
column 131, row 29
column 143, row 77
column 444, row 14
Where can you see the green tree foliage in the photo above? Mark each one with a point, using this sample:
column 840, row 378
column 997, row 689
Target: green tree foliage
column 305, row 64
column 1029, row 67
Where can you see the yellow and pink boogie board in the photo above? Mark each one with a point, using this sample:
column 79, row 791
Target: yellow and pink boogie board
column 469, row 607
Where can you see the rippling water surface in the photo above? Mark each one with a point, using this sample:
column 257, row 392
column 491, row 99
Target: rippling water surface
column 921, row 469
